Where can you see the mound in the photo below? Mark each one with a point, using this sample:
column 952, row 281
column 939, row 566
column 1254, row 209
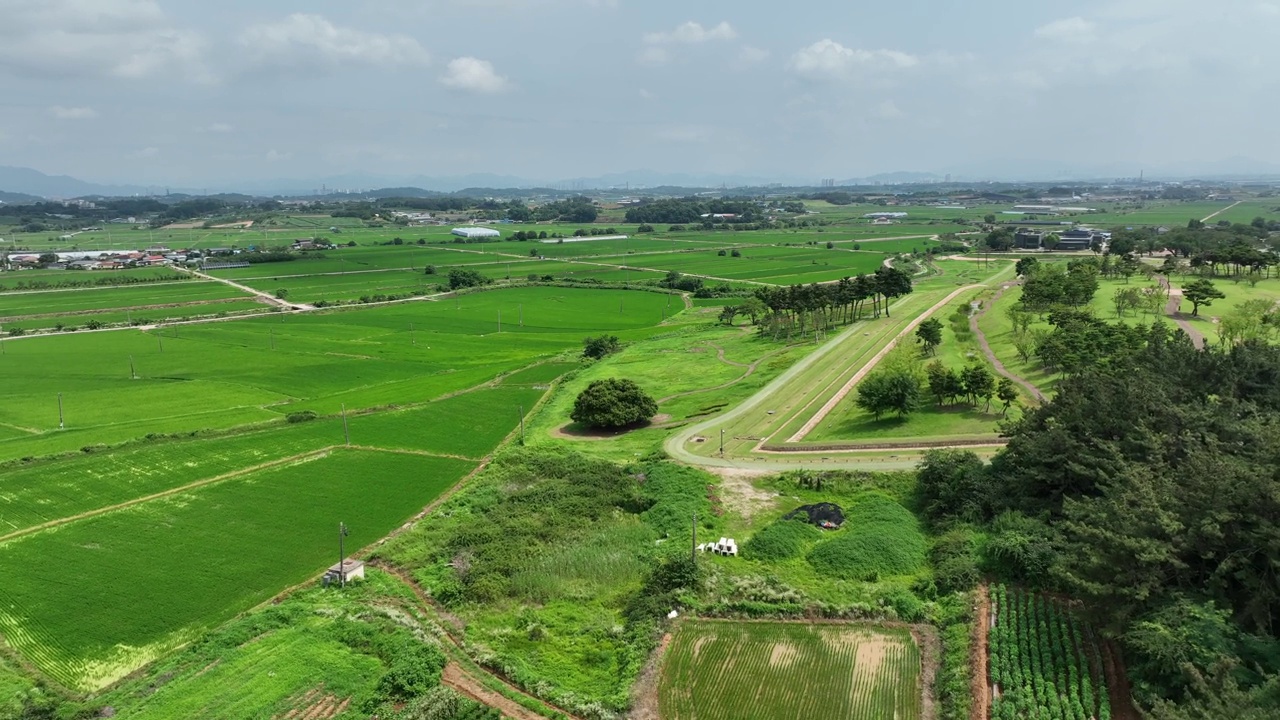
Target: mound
column 782, row 540
column 882, row 539
column 820, row 514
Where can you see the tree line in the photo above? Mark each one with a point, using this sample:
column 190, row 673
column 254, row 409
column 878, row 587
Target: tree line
column 798, row 310
column 1148, row 489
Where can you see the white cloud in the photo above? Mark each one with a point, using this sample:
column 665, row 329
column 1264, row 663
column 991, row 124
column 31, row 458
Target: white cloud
column 691, row 33
column 829, row 59
column 73, row 113
column 750, row 55
column 1072, row 29
column 653, row 55
column 1269, row 8
column 128, row 39
column 274, row 155
column 218, row 127
column 305, row 41
column 149, row 152
column 646, row 95
column 473, row 75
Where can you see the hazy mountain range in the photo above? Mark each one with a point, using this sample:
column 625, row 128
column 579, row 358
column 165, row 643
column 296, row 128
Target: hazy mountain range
column 20, row 184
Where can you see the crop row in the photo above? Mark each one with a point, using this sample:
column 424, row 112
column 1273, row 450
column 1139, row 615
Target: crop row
column 1044, row 662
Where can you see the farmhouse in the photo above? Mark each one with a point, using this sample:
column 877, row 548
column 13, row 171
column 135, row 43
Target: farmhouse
column 476, row 233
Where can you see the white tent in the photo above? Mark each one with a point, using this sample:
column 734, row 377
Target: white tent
column 472, row 233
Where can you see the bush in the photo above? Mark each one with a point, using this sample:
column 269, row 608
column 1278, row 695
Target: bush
column 460, row 278
column 880, row 539
column 300, row 416
column 600, row 346
column 955, row 561
column 782, row 540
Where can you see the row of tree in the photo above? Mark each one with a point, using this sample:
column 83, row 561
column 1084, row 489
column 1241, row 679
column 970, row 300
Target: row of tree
column 802, row 309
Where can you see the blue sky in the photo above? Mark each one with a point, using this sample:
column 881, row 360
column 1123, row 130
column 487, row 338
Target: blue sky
column 152, row 91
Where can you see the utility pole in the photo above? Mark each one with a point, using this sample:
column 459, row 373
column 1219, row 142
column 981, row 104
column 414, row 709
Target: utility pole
column 342, row 556
column 693, row 547
column 273, row 338
column 413, row 340
column 721, row 442
column 499, row 321
column 346, row 432
column 521, row 314
column 132, row 375
column 61, row 422
column 522, row 425
column 161, row 339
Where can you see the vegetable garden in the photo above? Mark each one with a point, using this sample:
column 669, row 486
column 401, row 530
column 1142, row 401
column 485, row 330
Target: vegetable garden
column 1044, row 663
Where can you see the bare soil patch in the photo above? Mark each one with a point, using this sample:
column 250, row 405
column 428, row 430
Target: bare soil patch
column 741, row 495
column 782, row 654
column 644, row 694
column 979, row 688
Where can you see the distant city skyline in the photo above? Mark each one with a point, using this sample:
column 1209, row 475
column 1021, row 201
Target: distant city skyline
column 238, row 94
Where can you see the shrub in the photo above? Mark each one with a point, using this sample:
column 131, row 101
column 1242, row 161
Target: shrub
column 880, row 539
column 782, row 540
column 613, row 403
column 600, row 346
column 300, row 416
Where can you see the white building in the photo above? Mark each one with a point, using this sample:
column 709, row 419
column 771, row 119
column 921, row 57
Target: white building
column 476, row 233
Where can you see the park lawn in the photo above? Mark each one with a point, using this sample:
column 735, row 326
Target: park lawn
column 1236, row 291
column 724, row 669
column 17, row 305
column 197, row 558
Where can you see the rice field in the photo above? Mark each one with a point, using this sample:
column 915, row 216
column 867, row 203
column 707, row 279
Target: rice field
column 15, row 305
column 196, row 558
column 732, row 670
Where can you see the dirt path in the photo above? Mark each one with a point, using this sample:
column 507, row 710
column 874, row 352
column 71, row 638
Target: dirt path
column 265, row 296
column 1174, row 310
column 1214, row 215
column 857, row 377
column 979, row 685
column 460, row 681
column 986, row 347
column 750, row 368
column 426, row 604
column 644, row 694
column 1118, row 690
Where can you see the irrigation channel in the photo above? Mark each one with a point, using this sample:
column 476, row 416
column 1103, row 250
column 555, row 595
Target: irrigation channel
column 815, row 385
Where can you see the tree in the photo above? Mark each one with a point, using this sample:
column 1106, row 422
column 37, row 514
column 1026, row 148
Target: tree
column 944, row 383
column 1026, row 266
column 728, row 313
column 929, row 333
column 889, row 391
column 753, row 307
column 282, row 293
column 1007, row 394
column 613, row 403
column 951, row 486
column 891, row 283
column 600, row 346
column 1126, row 299
column 465, row 278
column 989, row 219
column 979, row 383
column 1201, row 292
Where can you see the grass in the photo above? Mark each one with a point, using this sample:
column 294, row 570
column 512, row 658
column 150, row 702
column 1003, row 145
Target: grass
column 782, row 540
column 718, row 669
column 468, row 425
column 197, row 558
column 879, row 538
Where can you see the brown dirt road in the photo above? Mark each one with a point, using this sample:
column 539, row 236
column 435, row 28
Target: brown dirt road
column 1174, row 310
column 986, row 347
column 979, row 686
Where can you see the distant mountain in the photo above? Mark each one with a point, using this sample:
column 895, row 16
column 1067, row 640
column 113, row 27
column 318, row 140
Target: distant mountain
column 13, row 198
column 34, row 182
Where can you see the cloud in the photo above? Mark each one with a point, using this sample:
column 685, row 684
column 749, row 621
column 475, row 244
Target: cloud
column 1072, row 29
column 218, row 127
column 276, row 156
column 888, row 110
column 126, row 39
column 473, row 75
column 303, row 40
column 750, row 55
column 73, row 113
column 149, row 152
column 691, row 33
column 829, row 59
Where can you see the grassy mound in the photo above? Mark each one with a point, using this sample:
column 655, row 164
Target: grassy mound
column 880, row 538
column 782, row 540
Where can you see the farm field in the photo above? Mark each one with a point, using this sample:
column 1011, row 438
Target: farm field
column 143, row 316
column 222, row 375
column 731, row 670
column 14, row 305
column 44, row 279
column 196, row 558
column 776, row 265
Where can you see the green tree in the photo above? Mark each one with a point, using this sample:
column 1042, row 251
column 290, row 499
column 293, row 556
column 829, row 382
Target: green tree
column 728, row 313
column 929, row 333
column 282, row 293
column 600, row 346
column 1201, row 292
column 1026, row 266
column 754, row 308
column 944, row 383
column 952, row 487
column 464, row 278
column 1007, row 393
column 979, row 383
column 892, row 389
column 1126, row 299
column 613, row 403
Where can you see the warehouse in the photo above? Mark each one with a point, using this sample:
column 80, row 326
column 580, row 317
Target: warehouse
column 476, row 233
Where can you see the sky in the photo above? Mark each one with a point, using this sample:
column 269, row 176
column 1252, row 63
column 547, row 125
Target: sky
column 218, row 93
